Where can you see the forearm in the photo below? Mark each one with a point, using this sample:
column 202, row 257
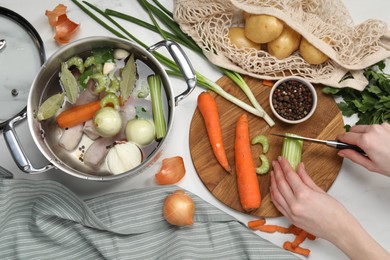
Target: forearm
column 356, row 243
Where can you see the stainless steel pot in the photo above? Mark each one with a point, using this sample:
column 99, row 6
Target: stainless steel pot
column 46, row 134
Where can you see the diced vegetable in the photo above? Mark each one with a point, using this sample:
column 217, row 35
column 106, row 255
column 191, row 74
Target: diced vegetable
column 264, row 168
column 154, row 82
column 292, row 150
column 263, row 140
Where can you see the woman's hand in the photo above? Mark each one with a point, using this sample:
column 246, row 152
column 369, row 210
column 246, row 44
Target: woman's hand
column 375, row 141
column 308, row 207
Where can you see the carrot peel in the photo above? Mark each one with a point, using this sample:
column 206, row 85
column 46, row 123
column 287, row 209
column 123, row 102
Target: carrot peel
column 298, row 250
column 209, row 110
column 255, row 224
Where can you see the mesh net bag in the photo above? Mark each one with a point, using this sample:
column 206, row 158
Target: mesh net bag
column 350, row 49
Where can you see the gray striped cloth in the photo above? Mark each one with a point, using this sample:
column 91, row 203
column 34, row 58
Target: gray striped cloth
column 45, row 220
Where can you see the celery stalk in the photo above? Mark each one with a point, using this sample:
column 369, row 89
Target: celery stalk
column 157, row 107
column 292, row 150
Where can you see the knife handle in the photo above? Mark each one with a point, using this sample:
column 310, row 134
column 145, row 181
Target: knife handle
column 341, row 145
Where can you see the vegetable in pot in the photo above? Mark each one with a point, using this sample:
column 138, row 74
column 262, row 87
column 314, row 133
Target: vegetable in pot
column 123, row 157
column 107, row 122
column 140, row 131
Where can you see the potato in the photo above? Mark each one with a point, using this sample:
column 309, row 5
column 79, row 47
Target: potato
column 238, row 38
column 262, row 28
column 245, row 15
column 311, row 54
column 285, row 44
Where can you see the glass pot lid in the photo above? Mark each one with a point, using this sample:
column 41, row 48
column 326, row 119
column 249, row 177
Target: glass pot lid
column 21, row 56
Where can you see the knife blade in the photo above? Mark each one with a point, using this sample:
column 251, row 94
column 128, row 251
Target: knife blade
column 332, row 143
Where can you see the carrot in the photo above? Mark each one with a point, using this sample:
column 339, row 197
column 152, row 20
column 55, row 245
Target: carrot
column 273, row 229
column 78, row 114
column 268, row 83
column 298, row 250
column 254, row 224
column 208, row 109
column 294, row 230
column 299, row 238
column 248, row 185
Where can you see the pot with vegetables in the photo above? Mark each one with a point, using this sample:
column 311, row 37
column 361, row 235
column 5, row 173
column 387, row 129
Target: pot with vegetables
column 101, row 108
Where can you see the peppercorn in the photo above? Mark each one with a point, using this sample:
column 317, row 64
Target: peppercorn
column 292, row 100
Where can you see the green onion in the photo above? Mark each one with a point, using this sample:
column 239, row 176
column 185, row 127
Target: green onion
column 157, row 106
column 292, row 150
column 173, row 68
column 182, row 38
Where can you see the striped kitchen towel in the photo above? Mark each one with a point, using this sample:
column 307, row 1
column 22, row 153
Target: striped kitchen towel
column 45, row 220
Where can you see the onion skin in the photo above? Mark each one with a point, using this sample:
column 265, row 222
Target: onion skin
column 179, row 209
column 171, row 171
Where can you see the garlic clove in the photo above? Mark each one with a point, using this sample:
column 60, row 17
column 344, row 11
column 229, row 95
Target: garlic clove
column 120, row 54
column 123, row 157
column 108, row 67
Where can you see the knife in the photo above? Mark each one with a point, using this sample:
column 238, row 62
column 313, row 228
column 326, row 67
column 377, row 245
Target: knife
column 332, row 143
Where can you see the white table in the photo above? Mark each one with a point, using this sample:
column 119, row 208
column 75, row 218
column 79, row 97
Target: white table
column 365, row 194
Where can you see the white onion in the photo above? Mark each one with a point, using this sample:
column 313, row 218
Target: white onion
column 140, row 131
column 123, row 157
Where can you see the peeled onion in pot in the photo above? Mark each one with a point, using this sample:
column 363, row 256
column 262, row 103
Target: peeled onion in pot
column 107, row 121
column 123, row 157
column 179, row 209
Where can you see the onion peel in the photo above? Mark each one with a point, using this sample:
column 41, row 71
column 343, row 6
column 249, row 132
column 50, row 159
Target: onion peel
column 55, row 13
column 64, row 27
column 171, row 171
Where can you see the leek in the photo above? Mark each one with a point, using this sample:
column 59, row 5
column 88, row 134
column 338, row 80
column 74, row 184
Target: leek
column 154, row 82
column 292, row 150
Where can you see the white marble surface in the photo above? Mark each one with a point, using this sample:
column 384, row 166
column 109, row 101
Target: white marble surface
column 365, row 194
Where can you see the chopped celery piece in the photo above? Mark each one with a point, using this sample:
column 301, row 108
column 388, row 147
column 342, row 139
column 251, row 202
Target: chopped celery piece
column 292, row 150
column 154, row 82
column 261, row 139
column 264, row 167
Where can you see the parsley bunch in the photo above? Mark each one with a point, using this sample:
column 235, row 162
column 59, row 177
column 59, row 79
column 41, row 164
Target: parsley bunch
column 372, row 105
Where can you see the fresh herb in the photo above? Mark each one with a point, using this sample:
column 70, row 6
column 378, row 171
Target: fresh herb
column 69, row 84
column 102, row 55
column 371, row 105
column 129, row 77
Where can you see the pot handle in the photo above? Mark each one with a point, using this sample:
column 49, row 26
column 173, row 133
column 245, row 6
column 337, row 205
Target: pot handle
column 17, row 152
column 183, row 62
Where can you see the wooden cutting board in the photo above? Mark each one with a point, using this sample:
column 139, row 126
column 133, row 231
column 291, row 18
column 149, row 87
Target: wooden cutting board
column 321, row 162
